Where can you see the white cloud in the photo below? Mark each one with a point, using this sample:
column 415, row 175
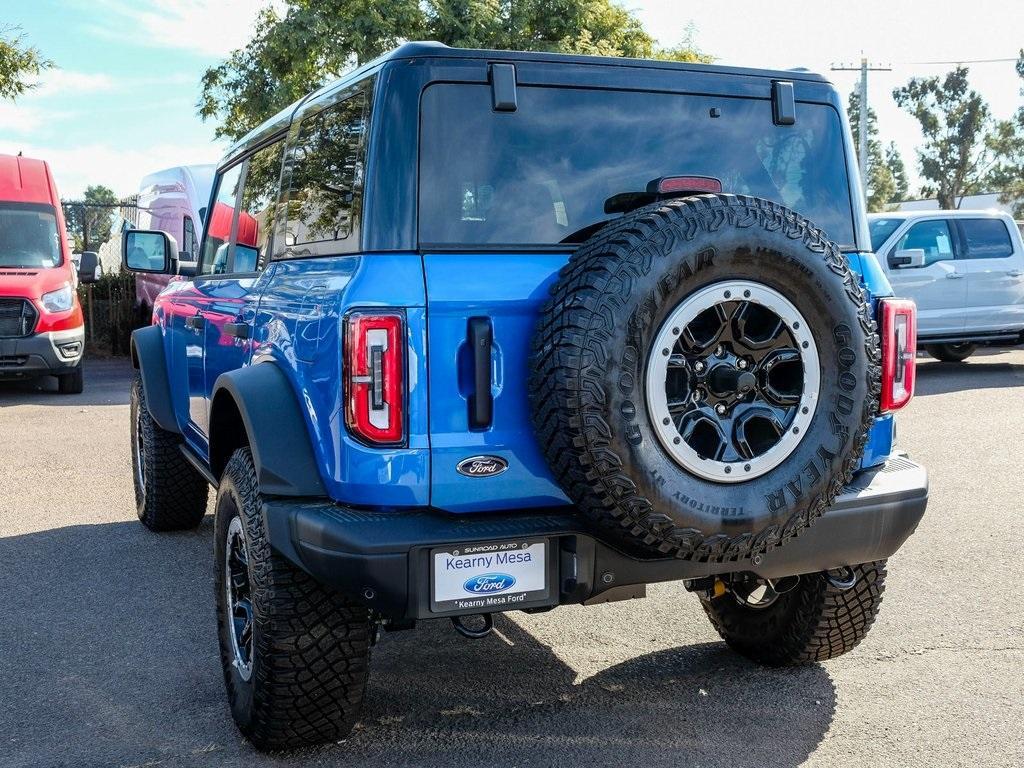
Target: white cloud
column 60, row 82
column 17, row 118
column 209, row 27
column 119, row 168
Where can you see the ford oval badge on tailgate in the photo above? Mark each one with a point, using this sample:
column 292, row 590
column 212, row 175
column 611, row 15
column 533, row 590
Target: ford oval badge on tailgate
column 482, row 466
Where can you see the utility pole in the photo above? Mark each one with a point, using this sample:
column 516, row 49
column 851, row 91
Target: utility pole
column 862, row 153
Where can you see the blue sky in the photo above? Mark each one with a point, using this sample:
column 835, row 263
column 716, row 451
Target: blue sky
column 122, row 103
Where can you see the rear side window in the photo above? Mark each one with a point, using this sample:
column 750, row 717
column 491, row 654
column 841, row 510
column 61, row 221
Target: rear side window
column 542, row 174
column 326, row 182
column 256, row 209
column 986, row 238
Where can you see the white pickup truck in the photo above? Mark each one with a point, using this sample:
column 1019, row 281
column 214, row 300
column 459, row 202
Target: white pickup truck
column 965, row 270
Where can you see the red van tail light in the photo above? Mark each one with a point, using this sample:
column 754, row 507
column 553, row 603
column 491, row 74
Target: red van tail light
column 374, row 363
column 899, row 352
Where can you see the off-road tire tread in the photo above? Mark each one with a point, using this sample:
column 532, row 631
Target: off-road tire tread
column 569, row 404
column 311, row 646
column 176, row 495
column 824, row 623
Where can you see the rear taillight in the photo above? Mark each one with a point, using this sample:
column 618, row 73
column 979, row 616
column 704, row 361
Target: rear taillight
column 375, row 376
column 899, row 352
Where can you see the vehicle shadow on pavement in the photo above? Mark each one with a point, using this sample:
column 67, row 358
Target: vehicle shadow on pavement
column 985, row 372
column 107, row 382
column 108, row 656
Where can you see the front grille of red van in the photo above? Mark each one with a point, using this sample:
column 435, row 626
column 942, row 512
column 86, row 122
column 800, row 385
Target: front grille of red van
column 17, row 318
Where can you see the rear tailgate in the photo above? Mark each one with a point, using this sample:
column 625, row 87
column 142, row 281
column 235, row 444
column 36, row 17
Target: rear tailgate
column 505, row 292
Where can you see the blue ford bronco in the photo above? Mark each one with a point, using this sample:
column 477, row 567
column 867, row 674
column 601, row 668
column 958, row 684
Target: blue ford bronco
column 480, row 331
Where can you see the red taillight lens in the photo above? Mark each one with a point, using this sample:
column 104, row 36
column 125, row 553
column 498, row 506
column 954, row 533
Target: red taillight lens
column 668, row 184
column 375, row 376
column 899, row 352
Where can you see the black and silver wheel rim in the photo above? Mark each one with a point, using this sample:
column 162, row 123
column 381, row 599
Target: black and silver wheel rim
column 733, row 379
column 139, row 453
column 238, row 594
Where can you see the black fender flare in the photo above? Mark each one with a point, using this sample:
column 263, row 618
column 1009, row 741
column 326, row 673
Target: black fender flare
column 274, row 426
column 148, row 358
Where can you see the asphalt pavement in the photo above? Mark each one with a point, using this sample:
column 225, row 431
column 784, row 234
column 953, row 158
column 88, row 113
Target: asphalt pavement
column 108, row 651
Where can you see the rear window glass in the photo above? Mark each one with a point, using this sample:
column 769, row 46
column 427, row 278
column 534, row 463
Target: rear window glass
column 28, row 236
column 541, row 174
column 986, row 238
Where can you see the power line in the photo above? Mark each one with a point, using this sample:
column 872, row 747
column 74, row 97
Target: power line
column 960, row 61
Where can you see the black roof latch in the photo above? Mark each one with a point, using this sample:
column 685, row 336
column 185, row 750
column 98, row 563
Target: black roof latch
column 783, row 103
column 503, row 87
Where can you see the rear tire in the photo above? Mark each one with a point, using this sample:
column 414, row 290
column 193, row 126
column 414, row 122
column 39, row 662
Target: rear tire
column 813, row 622
column 170, row 495
column 71, row 383
column 951, row 353
column 300, row 680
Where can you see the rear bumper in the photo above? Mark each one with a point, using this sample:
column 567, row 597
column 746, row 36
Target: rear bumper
column 382, row 558
column 49, row 353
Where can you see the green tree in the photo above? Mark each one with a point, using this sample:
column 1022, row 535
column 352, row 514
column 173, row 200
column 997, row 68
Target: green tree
column 19, row 64
column 1007, row 144
column 91, row 219
column 894, row 161
column 880, row 185
column 313, row 41
column 956, row 123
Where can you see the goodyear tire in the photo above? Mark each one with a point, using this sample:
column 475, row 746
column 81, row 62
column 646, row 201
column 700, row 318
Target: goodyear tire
column 814, row 621
column 170, row 495
column 704, row 377
column 295, row 654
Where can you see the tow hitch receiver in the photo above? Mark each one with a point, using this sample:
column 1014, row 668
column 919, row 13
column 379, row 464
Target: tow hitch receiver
column 473, row 633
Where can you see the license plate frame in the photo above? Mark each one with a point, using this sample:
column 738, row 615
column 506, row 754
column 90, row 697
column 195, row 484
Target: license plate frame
column 505, row 560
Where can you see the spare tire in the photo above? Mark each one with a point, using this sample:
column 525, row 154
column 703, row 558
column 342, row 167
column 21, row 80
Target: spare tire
column 705, row 374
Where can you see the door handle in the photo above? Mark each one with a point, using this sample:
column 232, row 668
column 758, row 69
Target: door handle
column 1015, row 272
column 955, row 275
column 481, row 402
column 195, row 322
column 238, row 330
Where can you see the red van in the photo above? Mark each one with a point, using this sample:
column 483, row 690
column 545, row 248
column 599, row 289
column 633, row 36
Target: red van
column 42, row 331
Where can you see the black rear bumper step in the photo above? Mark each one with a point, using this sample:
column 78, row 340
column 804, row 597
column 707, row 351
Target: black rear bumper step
column 382, row 558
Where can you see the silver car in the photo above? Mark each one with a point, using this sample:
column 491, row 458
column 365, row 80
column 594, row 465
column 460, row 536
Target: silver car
column 965, row 271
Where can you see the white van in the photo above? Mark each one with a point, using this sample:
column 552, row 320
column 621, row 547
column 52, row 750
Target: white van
column 965, row 271
column 173, row 200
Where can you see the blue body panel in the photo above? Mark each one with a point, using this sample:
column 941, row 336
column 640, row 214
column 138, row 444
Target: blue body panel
column 299, row 326
column 296, row 307
column 510, row 294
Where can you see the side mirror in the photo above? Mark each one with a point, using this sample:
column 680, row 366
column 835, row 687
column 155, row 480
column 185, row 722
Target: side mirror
column 911, row 257
column 149, row 251
column 89, row 270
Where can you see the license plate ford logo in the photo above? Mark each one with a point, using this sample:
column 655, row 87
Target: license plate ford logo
column 482, row 466
column 489, row 583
